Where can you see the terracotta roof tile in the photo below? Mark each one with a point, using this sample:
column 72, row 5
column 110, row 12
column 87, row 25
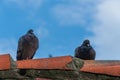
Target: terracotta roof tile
column 109, row 67
column 102, row 67
column 4, row 62
column 45, row 63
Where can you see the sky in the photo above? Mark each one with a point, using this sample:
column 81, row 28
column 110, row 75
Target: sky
column 61, row 26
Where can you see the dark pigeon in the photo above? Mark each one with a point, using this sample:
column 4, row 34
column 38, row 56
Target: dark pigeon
column 27, row 46
column 85, row 51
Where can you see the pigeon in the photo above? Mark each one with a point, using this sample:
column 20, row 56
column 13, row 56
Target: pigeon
column 85, row 51
column 27, row 46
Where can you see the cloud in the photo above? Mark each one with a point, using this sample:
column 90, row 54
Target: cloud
column 8, row 46
column 74, row 11
column 42, row 32
column 107, row 30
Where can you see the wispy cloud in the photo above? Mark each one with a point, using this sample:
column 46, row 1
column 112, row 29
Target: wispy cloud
column 107, row 31
column 42, row 32
column 74, row 11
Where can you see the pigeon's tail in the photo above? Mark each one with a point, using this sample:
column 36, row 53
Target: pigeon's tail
column 1, row 79
column 22, row 72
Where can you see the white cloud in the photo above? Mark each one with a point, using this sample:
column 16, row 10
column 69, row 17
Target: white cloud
column 8, row 46
column 107, row 32
column 42, row 32
column 69, row 15
column 73, row 11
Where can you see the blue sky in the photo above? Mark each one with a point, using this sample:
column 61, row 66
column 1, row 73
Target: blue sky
column 61, row 26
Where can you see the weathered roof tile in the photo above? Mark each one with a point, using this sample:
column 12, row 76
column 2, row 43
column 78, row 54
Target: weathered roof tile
column 4, row 62
column 102, row 67
column 46, row 63
column 108, row 67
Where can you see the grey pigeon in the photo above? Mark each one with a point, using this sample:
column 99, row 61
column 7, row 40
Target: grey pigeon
column 27, row 46
column 85, row 51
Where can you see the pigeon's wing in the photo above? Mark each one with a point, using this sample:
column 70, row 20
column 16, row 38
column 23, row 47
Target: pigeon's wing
column 20, row 48
column 34, row 45
column 28, row 47
column 24, row 47
column 92, row 54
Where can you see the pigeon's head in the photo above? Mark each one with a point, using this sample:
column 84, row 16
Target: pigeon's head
column 86, row 42
column 30, row 31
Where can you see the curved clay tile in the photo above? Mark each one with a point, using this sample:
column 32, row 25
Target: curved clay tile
column 108, row 67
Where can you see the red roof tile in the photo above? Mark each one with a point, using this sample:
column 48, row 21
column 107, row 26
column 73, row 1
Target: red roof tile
column 45, row 63
column 4, row 62
column 102, row 67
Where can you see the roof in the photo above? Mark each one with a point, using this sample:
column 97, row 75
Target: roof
column 45, row 63
column 4, row 62
column 107, row 67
